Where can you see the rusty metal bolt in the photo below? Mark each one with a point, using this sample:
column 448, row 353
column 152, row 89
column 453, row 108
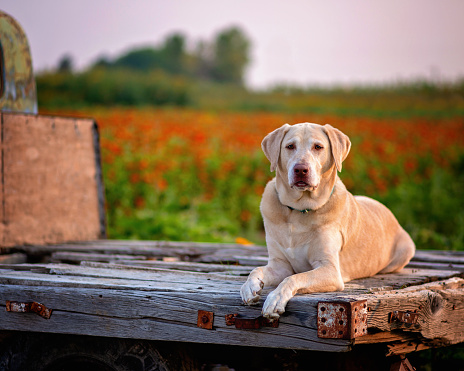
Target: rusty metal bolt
column 205, row 319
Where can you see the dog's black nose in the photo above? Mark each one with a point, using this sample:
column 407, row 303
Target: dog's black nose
column 300, row 169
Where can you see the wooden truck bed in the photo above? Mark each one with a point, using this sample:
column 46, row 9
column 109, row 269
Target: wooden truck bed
column 190, row 292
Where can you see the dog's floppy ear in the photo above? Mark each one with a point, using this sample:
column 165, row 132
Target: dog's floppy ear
column 340, row 144
column 271, row 145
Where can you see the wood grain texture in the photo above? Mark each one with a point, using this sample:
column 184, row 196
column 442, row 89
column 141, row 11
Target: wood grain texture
column 50, row 180
column 125, row 289
column 156, row 316
column 439, row 306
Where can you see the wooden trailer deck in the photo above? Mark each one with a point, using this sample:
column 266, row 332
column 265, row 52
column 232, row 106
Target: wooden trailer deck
column 184, row 292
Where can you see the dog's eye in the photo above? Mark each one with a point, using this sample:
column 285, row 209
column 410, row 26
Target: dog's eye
column 290, row 146
column 317, row 147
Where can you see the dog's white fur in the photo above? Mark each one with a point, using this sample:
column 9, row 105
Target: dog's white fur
column 342, row 238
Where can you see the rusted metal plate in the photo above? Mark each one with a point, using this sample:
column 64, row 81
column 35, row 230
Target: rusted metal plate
column 51, row 189
column 29, row 307
column 249, row 323
column 205, row 319
column 17, row 83
column 403, row 316
column 342, row 320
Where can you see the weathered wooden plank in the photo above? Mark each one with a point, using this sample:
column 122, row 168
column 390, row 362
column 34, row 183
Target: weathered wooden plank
column 163, row 312
column 440, row 309
column 437, row 266
column 439, row 256
column 147, row 248
column 406, row 277
column 89, row 281
column 413, row 345
column 121, row 279
column 158, row 316
column 76, row 257
column 191, row 266
column 17, row 258
column 224, row 258
column 165, row 274
column 174, row 288
column 121, row 276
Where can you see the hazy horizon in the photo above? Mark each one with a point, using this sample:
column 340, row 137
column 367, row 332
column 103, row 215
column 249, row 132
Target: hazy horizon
column 296, row 42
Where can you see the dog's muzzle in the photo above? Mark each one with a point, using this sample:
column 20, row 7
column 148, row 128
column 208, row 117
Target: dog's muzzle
column 301, row 178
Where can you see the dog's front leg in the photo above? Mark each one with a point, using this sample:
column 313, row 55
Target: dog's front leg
column 270, row 275
column 324, row 278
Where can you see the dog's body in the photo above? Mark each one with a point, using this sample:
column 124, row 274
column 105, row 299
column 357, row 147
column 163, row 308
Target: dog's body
column 319, row 235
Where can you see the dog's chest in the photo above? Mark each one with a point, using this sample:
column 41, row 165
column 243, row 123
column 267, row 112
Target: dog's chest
column 295, row 244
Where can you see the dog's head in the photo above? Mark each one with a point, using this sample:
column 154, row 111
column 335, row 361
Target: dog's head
column 305, row 152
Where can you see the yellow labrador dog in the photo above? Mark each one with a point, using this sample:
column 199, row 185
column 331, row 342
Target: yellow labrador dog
column 318, row 234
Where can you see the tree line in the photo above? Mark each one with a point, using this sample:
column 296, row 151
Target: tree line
column 157, row 75
column 222, row 60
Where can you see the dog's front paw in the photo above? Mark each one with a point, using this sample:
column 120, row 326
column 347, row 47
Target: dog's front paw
column 275, row 303
column 250, row 290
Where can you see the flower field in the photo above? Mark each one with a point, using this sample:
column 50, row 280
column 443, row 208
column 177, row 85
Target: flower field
column 185, row 174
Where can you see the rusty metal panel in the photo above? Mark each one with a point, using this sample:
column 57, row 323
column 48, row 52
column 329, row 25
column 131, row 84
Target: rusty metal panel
column 52, row 186
column 29, row 307
column 205, row 319
column 342, row 320
column 250, row 323
column 17, row 83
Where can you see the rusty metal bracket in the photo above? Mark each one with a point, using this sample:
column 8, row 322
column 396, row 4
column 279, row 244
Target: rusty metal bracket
column 407, row 317
column 205, row 319
column 30, row 307
column 249, row 323
column 342, row 319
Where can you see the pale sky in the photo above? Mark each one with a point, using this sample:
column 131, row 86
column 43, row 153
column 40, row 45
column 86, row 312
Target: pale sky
column 293, row 41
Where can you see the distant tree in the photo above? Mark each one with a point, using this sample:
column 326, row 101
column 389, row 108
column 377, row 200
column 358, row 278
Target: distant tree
column 231, row 55
column 174, row 54
column 223, row 60
column 203, row 60
column 65, row 64
column 103, row 62
column 143, row 59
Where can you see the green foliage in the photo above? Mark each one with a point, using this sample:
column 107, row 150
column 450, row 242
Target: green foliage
column 101, row 86
column 231, row 51
column 433, row 210
column 402, row 100
column 185, row 208
column 171, row 57
column 147, row 76
column 144, row 59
